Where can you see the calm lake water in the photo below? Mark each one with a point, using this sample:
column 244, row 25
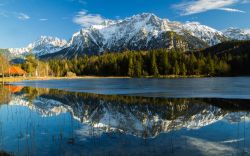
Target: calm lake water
column 237, row 87
column 192, row 117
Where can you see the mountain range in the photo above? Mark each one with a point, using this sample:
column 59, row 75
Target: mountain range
column 140, row 32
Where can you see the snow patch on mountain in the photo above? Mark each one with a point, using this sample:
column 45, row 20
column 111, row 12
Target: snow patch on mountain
column 205, row 33
column 237, row 34
column 44, row 45
column 133, row 30
column 140, row 32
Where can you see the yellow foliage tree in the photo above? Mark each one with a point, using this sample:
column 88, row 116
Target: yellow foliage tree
column 3, row 66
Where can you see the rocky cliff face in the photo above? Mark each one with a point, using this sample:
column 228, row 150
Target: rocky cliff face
column 140, row 32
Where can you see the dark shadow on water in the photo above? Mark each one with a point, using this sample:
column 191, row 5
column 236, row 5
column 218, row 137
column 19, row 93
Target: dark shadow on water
column 2, row 153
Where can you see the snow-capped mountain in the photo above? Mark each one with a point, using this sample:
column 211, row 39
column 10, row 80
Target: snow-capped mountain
column 205, row 33
column 140, row 32
column 44, row 45
column 237, row 34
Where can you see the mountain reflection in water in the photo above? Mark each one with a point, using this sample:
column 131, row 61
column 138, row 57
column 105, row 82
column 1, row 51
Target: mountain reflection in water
column 47, row 121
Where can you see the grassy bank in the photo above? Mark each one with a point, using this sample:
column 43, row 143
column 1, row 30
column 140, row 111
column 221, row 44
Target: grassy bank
column 20, row 79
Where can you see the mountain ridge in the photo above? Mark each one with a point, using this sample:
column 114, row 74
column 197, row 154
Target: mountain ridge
column 141, row 32
column 44, row 45
column 144, row 31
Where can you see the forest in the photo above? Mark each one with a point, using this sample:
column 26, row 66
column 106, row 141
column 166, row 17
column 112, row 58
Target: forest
column 215, row 61
column 153, row 63
column 142, row 64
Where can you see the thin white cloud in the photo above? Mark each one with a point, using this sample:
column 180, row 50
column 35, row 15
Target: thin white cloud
column 231, row 10
column 198, row 6
column 79, row 1
column 208, row 147
column 43, row 19
column 82, row 2
column 85, row 19
column 23, row 16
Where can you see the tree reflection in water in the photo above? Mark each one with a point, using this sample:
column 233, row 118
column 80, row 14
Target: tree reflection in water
column 48, row 121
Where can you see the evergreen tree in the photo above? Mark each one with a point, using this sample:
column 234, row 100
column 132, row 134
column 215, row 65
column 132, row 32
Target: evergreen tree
column 210, row 66
column 201, row 66
column 138, row 66
column 154, row 68
column 183, row 70
column 192, row 64
column 31, row 65
column 176, row 68
column 131, row 66
column 165, row 63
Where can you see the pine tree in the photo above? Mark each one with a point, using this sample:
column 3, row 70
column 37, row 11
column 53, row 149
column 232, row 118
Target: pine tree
column 138, row 66
column 154, row 68
column 201, row 66
column 192, row 64
column 176, row 68
column 165, row 63
column 130, row 66
column 210, row 66
column 183, row 69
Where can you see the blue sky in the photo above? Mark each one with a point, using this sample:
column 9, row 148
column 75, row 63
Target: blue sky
column 23, row 21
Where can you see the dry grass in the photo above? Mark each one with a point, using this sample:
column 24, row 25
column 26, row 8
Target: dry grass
column 19, row 79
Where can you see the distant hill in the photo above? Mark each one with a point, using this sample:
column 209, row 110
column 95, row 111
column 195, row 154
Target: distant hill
column 230, row 47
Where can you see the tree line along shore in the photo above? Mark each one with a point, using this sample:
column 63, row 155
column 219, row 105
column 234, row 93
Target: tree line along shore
column 161, row 63
column 155, row 63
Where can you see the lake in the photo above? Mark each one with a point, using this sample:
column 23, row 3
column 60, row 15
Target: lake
column 224, row 87
column 193, row 117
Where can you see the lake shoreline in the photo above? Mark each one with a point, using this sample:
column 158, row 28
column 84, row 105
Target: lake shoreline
column 21, row 79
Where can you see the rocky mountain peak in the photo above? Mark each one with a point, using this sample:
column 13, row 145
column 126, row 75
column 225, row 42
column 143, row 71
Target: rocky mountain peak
column 237, row 34
column 44, row 45
column 140, row 32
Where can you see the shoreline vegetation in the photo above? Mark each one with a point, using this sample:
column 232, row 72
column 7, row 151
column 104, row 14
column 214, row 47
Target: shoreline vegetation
column 21, row 79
